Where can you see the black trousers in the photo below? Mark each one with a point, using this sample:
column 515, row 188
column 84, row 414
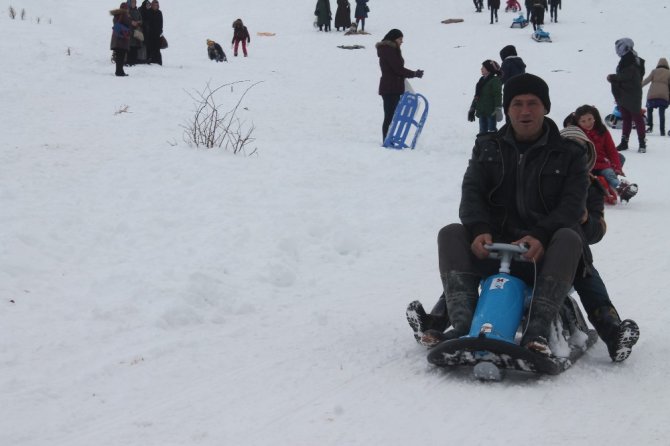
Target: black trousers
column 119, row 59
column 390, row 104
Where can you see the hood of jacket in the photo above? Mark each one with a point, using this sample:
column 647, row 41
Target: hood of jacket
column 663, row 63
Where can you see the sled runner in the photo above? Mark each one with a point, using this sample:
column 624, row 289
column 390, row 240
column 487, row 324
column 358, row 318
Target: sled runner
column 492, row 345
column 405, row 121
column 519, row 22
column 540, row 35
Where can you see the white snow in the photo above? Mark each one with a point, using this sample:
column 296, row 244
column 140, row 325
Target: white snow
column 152, row 293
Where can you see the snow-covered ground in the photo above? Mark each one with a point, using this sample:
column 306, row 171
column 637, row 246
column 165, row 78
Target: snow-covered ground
column 152, row 293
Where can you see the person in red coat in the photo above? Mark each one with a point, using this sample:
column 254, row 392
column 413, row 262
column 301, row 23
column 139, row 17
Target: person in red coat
column 609, row 162
column 392, row 81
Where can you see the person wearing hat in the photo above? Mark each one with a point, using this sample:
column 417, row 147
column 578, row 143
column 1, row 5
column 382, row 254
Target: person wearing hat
column 626, row 86
column 523, row 185
column 511, row 64
column 619, row 336
column 394, row 73
column 487, row 103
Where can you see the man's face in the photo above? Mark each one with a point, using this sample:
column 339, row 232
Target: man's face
column 526, row 114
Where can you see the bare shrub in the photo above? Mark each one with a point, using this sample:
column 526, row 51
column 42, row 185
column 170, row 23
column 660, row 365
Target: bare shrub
column 12, row 13
column 211, row 127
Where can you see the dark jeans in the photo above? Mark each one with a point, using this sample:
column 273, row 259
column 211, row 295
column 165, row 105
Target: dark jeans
column 662, row 106
column 390, row 104
column 560, row 261
column 553, row 13
column 592, row 292
column 494, row 12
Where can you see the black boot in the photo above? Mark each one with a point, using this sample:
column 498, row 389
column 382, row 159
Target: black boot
column 619, row 336
column 624, row 144
column 547, row 301
column 421, row 322
column 460, row 290
column 643, row 146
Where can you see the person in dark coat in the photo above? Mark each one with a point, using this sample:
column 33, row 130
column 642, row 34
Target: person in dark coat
column 487, row 102
column 511, row 65
column 343, row 15
column 494, row 6
column 323, row 14
column 361, row 13
column 135, row 43
column 215, row 52
column 394, row 73
column 554, row 6
column 153, row 32
column 626, row 86
column 240, row 35
column 507, row 197
column 121, row 31
column 537, row 13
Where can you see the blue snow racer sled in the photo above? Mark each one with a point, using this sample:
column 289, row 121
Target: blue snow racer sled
column 492, row 345
column 615, row 121
column 405, row 121
column 540, row 35
column 519, row 22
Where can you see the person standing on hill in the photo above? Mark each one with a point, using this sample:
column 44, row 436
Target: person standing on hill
column 323, row 14
column 154, row 31
column 512, row 64
column 554, row 6
column 487, row 103
column 361, row 13
column 240, row 35
column 343, row 15
column 537, row 13
column 658, row 95
column 626, row 86
column 494, row 6
column 394, row 73
column 121, row 30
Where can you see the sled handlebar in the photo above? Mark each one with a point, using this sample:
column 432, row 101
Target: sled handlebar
column 506, row 252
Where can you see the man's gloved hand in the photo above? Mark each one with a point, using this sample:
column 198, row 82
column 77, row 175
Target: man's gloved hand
column 471, row 114
column 419, row 73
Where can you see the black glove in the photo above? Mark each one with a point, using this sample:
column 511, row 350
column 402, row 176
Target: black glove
column 419, row 73
column 471, row 115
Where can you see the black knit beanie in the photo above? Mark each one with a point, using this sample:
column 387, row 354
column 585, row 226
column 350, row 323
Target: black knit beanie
column 393, row 35
column 526, row 83
column 507, row 51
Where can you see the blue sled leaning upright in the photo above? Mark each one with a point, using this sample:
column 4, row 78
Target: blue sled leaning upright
column 404, row 121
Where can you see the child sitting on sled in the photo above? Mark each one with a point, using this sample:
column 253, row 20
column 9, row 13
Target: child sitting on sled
column 609, row 162
column 512, row 5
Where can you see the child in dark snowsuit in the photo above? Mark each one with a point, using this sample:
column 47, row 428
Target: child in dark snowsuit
column 240, row 34
column 215, row 52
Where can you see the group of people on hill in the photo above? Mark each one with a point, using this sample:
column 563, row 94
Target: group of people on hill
column 137, row 34
column 535, row 9
column 342, row 15
column 504, row 201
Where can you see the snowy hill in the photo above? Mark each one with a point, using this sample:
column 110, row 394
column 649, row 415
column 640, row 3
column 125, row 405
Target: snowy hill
column 152, row 293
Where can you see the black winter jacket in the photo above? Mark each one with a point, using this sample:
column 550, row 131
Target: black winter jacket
column 510, row 195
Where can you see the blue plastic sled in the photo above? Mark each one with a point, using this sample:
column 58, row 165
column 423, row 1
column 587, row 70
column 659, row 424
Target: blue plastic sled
column 519, row 22
column 404, row 121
